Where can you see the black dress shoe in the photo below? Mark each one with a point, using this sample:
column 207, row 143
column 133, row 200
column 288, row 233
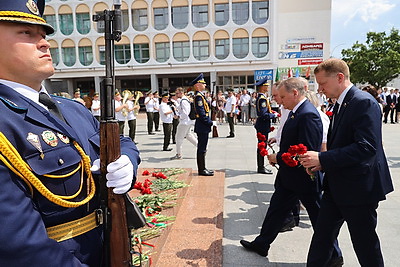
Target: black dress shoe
column 264, row 171
column 288, row 227
column 250, row 246
column 210, row 171
column 230, row 136
column 205, row 172
column 167, row 149
column 336, row 262
column 152, row 133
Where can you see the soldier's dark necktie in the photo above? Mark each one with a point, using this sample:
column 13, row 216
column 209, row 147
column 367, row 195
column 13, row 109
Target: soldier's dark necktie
column 46, row 100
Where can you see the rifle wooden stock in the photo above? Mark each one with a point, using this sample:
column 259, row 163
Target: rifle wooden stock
column 117, row 245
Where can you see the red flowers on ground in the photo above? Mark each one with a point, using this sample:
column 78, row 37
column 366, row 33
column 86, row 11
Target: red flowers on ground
column 159, row 175
column 143, row 187
column 145, row 172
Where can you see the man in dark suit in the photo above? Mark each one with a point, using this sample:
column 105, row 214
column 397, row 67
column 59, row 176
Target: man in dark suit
column 357, row 176
column 202, row 126
column 303, row 126
column 391, row 100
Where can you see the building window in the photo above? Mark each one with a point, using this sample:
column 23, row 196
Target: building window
column 55, row 56
column 259, row 46
column 141, row 52
column 201, row 50
column 162, row 52
column 260, row 11
column 125, row 20
column 122, row 53
column 160, row 18
column 85, row 55
column 100, row 25
column 181, row 50
column 221, row 48
column 51, row 19
column 240, row 47
column 102, row 54
column 69, row 56
column 139, row 19
column 66, row 24
column 240, row 13
column 180, row 17
column 200, row 15
column 83, row 23
column 221, row 14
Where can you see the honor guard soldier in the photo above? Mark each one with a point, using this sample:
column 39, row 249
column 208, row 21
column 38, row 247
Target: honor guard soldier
column 263, row 122
column 203, row 124
column 49, row 154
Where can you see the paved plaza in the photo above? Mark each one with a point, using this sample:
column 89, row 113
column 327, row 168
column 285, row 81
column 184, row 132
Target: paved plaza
column 247, row 195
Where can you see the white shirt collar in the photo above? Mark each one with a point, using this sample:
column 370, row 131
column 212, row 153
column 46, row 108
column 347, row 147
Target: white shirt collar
column 26, row 91
column 298, row 105
column 343, row 94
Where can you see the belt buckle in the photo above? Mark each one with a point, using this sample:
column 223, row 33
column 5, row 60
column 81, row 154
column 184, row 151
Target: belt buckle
column 99, row 217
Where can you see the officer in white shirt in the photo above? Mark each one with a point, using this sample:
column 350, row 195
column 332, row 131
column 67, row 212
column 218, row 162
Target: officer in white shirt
column 132, row 117
column 95, row 108
column 149, row 103
column 185, row 123
column 230, row 112
column 156, row 113
column 166, row 115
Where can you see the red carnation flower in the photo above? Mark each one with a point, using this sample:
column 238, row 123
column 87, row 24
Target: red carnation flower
column 264, row 152
column 261, row 137
column 293, row 150
column 301, row 149
column 272, row 128
column 329, row 113
column 138, row 185
column 145, row 172
column 261, row 145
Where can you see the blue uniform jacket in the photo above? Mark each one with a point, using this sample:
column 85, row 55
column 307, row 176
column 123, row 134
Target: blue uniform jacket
column 356, row 170
column 263, row 122
column 303, row 127
column 203, row 122
column 24, row 217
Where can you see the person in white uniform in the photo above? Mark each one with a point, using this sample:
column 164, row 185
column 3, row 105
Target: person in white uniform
column 185, row 123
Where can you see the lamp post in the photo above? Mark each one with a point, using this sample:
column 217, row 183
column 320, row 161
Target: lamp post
column 333, row 50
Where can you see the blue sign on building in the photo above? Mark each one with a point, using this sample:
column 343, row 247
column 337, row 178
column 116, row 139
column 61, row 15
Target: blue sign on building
column 261, row 74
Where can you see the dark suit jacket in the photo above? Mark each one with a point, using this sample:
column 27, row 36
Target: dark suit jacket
column 203, row 122
column 304, row 127
column 356, row 170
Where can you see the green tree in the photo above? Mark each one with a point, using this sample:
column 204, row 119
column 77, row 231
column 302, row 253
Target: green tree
column 376, row 62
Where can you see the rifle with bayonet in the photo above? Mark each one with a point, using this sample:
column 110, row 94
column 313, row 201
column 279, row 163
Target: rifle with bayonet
column 117, row 211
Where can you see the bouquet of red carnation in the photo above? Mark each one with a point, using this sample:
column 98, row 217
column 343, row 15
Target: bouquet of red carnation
column 262, row 145
column 145, row 172
column 291, row 157
column 277, row 114
column 144, row 187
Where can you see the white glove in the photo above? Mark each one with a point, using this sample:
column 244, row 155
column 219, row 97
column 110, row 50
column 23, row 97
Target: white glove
column 119, row 174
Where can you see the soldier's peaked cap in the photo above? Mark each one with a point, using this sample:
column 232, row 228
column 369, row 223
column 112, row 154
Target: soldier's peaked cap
column 25, row 11
column 199, row 79
column 263, row 81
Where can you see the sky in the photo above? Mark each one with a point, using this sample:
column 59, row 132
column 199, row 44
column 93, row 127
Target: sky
column 352, row 19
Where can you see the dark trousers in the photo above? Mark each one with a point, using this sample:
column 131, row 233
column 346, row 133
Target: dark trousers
column 175, row 123
column 167, row 127
column 231, row 125
column 361, row 221
column 132, row 129
column 202, row 141
column 121, row 126
column 150, row 117
column 387, row 111
column 156, row 119
column 282, row 202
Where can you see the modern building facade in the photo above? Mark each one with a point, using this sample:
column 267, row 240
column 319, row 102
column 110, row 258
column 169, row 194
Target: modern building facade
column 166, row 43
